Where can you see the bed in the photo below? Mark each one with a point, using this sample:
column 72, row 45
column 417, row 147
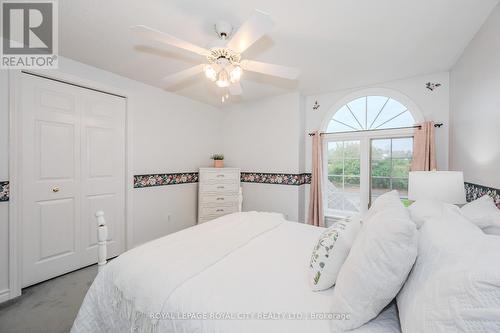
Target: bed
column 244, row 272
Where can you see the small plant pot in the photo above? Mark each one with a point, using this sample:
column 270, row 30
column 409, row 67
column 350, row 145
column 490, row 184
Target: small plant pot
column 218, row 163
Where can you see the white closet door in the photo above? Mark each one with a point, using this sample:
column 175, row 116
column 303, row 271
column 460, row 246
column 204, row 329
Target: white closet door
column 50, row 176
column 103, row 172
column 58, row 173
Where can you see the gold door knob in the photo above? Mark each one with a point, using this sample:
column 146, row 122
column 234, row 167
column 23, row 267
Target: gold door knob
column 55, row 189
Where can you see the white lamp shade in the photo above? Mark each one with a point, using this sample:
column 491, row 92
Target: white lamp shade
column 444, row 186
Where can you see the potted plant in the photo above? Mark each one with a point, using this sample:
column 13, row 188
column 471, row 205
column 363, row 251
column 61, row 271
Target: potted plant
column 218, row 160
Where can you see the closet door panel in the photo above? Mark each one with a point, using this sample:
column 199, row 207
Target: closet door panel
column 49, row 175
column 103, row 171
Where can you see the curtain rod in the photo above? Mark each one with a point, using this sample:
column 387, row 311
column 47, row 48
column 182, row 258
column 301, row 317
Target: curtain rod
column 376, row 130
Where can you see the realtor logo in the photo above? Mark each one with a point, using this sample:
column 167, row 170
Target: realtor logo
column 29, row 31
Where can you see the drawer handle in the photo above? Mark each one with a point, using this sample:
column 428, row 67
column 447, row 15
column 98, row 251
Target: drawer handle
column 220, row 176
column 220, row 198
column 219, row 210
column 55, row 189
column 220, row 186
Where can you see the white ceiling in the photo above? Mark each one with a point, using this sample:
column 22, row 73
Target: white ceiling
column 336, row 44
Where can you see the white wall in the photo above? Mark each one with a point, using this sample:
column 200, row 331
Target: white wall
column 4, row 175
column 475, row 104
column 170, row 133
column 265, row 136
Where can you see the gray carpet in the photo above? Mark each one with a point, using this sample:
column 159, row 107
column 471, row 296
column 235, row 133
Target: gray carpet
column 48, row 307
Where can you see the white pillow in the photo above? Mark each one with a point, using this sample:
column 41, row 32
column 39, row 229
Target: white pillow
column 492, row 231
column 425, row 209
column 377, row 266
column 330, row 252
column 482, row 212
column 386, row 200
column 455, row 283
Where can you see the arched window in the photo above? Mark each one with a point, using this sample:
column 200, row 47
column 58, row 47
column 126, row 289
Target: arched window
column 370, row 113
column 368, row 150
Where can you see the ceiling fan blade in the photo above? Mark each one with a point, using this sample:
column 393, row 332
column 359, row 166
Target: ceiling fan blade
column 255, row 27
column 289, row 73
column 182, row 75
column 235, row 89
column 165, row 38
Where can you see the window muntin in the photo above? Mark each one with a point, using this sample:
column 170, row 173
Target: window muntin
column 370, row 113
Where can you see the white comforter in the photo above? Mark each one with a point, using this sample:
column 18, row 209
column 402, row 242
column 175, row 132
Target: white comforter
column 248, row 270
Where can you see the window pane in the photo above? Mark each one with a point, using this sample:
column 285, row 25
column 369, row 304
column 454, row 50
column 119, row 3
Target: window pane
column 381, row 149
column 351, row 191
column 335, row 127
column 402, row 120
column 351, row 149
column 335, row 150
column 370, row 112
column 344, row 118
column 380, row 186
column 343, row 115
column 400, row 168
column 390, row 165
column 351, row 183
column 381, row 168
column 402, row 148
column 351, row 167
column 336, row 183
column 375, row 105
column 392, row 109
column 336, row 201
column 352, row 202
column 358, row 108
column 335, row 167
column 343, row 186
column 401, row 184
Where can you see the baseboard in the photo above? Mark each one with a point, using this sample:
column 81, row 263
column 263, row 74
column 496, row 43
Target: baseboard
column 4, row 295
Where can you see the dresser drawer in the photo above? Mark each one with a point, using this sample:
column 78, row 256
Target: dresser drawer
column 220, row 188
column 218, row 210
column 219, row 176
column 221, row 199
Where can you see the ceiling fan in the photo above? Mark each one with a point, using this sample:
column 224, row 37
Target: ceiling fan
column 224, row 64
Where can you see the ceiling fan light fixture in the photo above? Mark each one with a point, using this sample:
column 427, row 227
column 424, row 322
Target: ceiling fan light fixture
column 210, row 73
column 235, row 74
column 223, row 64
column 223, row 80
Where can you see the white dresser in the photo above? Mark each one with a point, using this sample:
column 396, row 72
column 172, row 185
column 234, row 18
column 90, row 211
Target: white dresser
column 218, row 192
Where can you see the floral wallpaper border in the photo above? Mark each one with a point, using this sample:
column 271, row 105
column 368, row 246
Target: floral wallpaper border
column 276, row 178
column 4, row 191
column 474, row 191
column 162, row 179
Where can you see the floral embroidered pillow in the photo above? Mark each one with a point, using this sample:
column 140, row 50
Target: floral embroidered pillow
column 330, row 252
